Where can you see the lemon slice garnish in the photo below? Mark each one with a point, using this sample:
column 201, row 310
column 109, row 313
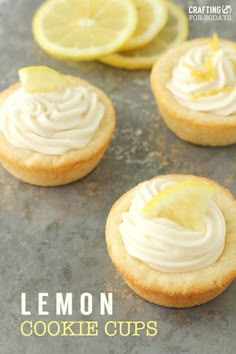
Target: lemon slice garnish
column 82, row 29
column 152, row 16
column 174, row 32
column 185, row 203
column 38, row 79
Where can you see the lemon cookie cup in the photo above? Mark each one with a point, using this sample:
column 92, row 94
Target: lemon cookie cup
column 45, row 169
column 171, row 288
column 209, row 128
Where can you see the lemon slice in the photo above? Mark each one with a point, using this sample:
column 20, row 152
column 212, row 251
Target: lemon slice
column 152, row 17
column 185, row 202
column 174, row 33
column 82, row 29
column 36, row 79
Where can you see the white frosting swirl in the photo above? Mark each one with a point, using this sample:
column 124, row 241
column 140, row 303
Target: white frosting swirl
column 162, row 243
column 51, row 123
column 216, row 93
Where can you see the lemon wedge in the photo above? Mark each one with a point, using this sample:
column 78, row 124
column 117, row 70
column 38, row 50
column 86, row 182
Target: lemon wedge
column 36, row 79
column 185, row 203
column 152, row 16
column 82, row 29
column 174, row 32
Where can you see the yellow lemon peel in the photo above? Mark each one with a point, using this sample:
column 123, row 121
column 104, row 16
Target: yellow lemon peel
column 204, row 74
column 214, row 42
column 212, row 92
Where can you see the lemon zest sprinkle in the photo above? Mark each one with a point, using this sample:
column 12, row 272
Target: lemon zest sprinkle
column 212, row 92
column 214, row 42
column 209, row 66
column 204, row 74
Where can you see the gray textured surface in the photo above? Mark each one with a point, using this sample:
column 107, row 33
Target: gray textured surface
column 53, row 239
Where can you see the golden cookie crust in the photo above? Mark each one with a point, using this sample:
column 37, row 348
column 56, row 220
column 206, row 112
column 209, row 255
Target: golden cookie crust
column 201, row 128
column 174, row 289
column 54, row 170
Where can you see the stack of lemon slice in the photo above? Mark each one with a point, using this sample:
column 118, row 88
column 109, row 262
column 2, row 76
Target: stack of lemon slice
column 123, row 33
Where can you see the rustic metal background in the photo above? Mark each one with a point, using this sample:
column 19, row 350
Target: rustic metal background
column 52, row 240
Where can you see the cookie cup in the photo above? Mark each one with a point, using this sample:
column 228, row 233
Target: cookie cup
column 201, row 128
column 185, row 289
column 54, row 170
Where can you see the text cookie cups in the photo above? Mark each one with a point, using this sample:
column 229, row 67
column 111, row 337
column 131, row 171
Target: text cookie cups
column 54, row 129
column 173, row 239
column 195, row 88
